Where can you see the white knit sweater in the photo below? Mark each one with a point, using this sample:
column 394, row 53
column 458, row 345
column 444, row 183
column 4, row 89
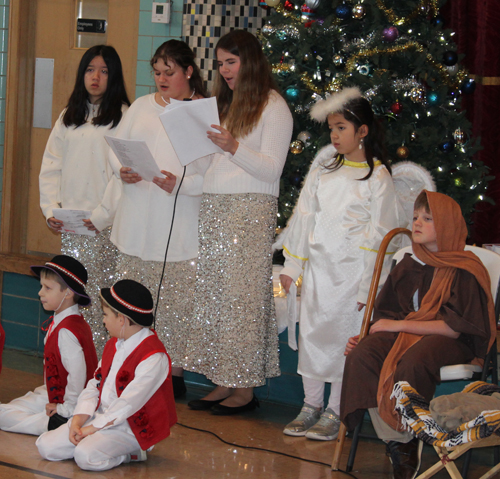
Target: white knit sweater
column 257, row 165
column 75, row 171
column 144, row 214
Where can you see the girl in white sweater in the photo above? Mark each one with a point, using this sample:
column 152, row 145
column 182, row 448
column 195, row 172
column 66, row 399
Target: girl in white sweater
column 76, row 174
column 233, row 339
column 142, row 223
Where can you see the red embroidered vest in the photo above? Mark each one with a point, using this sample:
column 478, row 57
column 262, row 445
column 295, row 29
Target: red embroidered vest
column 56, row 377
column 150, row 424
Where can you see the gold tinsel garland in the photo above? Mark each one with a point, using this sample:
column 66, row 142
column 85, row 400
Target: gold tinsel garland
column 351, row 64
column 445, row 75
column 431, row 5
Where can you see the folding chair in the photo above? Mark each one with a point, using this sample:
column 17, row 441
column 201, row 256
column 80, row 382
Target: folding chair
column 480, row 432
column 491, row 261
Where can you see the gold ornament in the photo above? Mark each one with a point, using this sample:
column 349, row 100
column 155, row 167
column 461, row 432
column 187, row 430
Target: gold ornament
column 334, row 86
column 402, row 152
column 338, row 60
column 358, row 11
column 297, row 147
column 417, row 94
column 272, row 3
column 459, row 136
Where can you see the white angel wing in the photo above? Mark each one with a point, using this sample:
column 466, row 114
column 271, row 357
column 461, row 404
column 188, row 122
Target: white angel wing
column 409, row 180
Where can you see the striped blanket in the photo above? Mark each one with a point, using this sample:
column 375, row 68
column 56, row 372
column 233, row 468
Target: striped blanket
column 415, row 415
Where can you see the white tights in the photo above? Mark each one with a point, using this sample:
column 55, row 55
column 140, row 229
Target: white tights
column 314, row 391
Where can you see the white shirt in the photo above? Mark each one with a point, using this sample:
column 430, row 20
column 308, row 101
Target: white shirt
column 149, row 376
column 75, row 171
column 142, row 221
column 258, row 162
column 73, row 360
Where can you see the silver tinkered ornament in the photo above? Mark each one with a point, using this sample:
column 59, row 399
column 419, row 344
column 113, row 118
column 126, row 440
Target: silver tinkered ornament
column 366, row 69
column 452, row 70
column 267, row 29
column 338, row 60
column 314, row 4
column 305, row 137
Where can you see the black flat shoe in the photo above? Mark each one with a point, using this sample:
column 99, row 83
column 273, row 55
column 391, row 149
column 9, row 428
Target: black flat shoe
column 179, row 386
column 203, row 404
column 220, row 410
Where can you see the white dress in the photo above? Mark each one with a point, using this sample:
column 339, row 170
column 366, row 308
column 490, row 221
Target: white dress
column 333, row 238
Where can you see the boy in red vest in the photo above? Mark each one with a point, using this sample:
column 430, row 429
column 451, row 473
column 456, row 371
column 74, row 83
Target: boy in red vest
column 129, row 405
column 69, row 353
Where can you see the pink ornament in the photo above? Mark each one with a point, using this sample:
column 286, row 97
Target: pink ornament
column 390, row 34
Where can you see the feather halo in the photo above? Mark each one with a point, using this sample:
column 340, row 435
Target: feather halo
column 334, row 103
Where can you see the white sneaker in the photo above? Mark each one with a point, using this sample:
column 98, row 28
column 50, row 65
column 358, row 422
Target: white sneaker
column 326, row 429
column 307, row 418
column 138, row 456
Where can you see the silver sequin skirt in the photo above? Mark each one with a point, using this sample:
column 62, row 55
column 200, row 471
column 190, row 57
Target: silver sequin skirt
column 98, row 255
column 175, row 306
column 233, row 337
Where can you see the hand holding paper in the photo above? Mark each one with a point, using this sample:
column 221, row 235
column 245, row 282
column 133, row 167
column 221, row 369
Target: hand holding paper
column 136, row 155
column 73, row 221
column 224, row 140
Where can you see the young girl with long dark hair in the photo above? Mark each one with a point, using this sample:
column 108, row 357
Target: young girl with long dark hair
column 347, row 205
column 75, row 172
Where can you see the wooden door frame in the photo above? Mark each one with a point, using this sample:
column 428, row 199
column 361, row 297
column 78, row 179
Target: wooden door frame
column 18, row 119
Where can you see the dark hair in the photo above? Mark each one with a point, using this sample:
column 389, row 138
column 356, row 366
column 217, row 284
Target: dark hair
column 110, row 107
column 242, row 107
column 359, row 112
column 180, row 53
column 422, row 202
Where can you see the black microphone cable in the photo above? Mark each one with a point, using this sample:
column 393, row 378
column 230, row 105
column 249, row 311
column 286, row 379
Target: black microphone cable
column 166, row 250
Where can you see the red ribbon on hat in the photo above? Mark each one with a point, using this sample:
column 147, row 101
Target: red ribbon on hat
column 128, row 305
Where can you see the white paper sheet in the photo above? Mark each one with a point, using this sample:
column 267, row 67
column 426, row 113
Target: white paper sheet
column 73, row 221
column 136, row 155
column 187, row 123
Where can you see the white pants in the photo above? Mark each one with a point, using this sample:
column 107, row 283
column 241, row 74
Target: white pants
column 314, row 391
column 26, row 414
column 385, row 432
column 100, row 451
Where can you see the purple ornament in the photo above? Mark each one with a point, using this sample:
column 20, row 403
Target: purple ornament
column 390, row 34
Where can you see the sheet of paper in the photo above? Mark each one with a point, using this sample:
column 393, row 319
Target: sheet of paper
column 73, row 221
column 136, row 155
column 187, row 123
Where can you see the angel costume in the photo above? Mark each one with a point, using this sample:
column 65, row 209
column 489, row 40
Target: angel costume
column 332, row 239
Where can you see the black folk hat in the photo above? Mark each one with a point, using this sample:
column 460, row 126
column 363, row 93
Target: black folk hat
column 132, row 299
column 71, row 271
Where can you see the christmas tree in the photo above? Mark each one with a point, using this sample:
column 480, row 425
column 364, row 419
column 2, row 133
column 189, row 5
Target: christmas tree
column 403, row 59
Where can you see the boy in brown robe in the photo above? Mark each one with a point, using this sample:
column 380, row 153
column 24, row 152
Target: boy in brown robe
column 435, row 309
